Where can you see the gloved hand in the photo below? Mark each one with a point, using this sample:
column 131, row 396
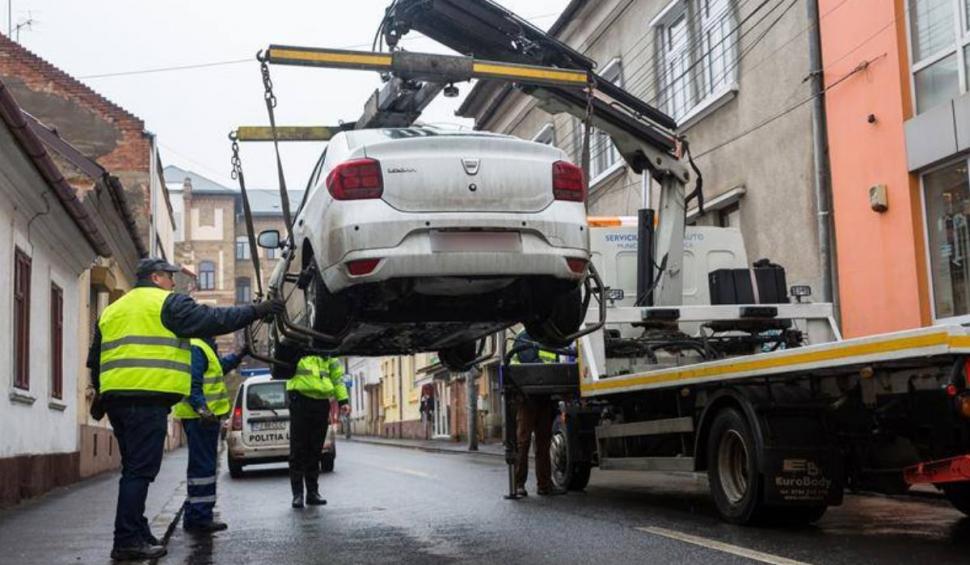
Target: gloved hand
column 206, row 415
column 243, row 351
column 269, row 307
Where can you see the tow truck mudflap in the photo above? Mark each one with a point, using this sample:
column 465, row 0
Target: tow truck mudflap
column 802, row 476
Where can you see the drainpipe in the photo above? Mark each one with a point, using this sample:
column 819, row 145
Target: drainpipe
column 471, row 392
column 400, row 397
column 820, row 150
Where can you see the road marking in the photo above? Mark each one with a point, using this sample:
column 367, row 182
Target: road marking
column 723, row 547
column 410, row 472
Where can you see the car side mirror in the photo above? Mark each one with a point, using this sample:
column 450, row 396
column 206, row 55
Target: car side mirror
column 269, row 239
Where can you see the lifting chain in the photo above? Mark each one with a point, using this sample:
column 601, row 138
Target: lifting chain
column 270, row 99
column 237, row 174
column 587, row 131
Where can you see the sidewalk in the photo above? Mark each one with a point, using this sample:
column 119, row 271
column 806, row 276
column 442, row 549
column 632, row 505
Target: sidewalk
column 495, row 449
column 75, row 524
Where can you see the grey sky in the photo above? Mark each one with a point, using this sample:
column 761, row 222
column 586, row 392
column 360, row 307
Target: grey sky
column 193, row 110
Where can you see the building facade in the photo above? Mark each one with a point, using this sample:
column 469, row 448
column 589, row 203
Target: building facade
column 728, row 72
column 897, row 74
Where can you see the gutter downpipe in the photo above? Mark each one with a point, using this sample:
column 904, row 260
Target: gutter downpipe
column 821, row 169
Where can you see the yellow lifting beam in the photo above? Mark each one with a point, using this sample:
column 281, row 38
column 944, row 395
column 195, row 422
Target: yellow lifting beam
column 425, row 66
column 288, row 133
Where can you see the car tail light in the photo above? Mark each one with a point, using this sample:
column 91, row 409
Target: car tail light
column 576, row 265
column 237, row 419
column 568, row 182
column 358, row 179
column 362, row 267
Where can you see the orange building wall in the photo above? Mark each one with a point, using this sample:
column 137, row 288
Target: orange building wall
column 881, row 259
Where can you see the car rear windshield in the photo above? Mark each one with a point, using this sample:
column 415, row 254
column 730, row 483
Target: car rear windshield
column 266, row 396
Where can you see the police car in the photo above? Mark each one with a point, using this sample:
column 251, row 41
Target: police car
column 259, row 429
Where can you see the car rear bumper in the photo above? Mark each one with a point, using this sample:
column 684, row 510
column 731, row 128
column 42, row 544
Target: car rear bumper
column 409, row 245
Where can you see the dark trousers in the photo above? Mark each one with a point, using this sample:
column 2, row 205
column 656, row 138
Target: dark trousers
column 309, row 419
column 534, row 415
column 201, row 484
column 140, row 431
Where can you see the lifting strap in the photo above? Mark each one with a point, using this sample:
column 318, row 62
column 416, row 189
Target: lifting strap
column 270, row 99
column 237, row 173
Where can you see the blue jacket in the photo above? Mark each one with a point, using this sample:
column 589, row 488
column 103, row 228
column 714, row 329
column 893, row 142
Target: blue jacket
column 200, row 364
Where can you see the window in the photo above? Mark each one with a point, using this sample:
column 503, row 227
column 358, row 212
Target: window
column 272, row 253
column 947, row 192
column 697, row 55
column 207, row 275
column 244, row 291
column 266, row 396
column 21, row 320
column 546, row 135
column 242, row 247
column 57, row 342
column 602, row 152
column 729, row 216
column 940, row 48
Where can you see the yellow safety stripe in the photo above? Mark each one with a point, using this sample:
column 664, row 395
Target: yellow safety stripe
column 348, row 58
column 146, row 340
column 513, row 71
column 796, row 358
column 130, row 363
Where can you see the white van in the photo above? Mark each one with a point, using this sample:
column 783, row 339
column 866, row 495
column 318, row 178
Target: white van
column 259, row 430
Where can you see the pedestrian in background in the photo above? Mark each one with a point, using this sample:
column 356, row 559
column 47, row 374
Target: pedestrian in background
column 201, row 414
column 316, row 382
column 140, row 362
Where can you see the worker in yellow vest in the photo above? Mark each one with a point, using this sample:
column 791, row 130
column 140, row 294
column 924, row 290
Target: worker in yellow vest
column 201, row 413
column 316, row 383
column 140, row 362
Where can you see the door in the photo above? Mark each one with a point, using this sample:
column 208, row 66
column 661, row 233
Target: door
column 442, row 408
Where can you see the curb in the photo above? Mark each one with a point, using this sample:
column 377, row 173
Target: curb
column 428, row 448
column 168, row 518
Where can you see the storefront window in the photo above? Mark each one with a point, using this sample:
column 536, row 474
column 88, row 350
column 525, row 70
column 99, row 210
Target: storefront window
column 948, row 230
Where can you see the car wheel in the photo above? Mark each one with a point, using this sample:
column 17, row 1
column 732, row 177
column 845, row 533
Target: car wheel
column 286, row 352
column 326, row 312
column 327, row 461
column 557, row 316
column 458, row 357
column 235, row 468
column 959, row 496
column 566, row 473
column 733, row 469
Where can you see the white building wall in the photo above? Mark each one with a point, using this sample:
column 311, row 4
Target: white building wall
column 31, row 420
column 361, row 371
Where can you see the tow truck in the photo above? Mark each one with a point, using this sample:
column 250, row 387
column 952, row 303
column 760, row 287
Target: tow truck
column 759, row 392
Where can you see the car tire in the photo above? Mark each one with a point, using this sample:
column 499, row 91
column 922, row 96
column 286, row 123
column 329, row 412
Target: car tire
column 566, row 473
column 959, row 496
column 556, row 317
column 457, row 358
column 235, row 468
column 326, row 462
column 286, row 352
column 732, row 469
column 338, row 311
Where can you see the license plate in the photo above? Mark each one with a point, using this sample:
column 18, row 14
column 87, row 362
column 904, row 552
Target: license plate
column 268, row 426
column 489, row 242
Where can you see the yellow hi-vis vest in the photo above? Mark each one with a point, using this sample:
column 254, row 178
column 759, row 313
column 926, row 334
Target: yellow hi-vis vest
column 213, row 387
column 319, row 377
column 138, row 353
column 544, row 357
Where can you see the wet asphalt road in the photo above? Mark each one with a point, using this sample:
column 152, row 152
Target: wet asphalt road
column 393, row 505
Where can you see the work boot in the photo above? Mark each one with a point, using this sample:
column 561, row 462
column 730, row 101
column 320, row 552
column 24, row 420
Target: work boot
column 313, row 498
column 139, row 551
column 550, row 491
column 152, row 540
column 520, row 491
column 296, row 485
column 206, row 527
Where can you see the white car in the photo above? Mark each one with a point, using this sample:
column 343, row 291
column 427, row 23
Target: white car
column 259, row 427
column 422, row 239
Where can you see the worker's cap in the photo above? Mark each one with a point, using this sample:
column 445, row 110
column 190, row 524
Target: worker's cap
column 150, row 265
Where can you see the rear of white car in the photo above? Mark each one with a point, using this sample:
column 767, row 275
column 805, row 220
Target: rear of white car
column 447, row 204
column 259, row 427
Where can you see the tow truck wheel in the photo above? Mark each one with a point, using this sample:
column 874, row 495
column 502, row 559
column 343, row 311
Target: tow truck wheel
column 566, row 473
column 732, row 469
column 959, row 496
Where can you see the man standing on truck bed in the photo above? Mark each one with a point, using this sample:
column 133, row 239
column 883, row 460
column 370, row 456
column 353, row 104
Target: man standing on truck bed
column 140, row 362
column 315, row 383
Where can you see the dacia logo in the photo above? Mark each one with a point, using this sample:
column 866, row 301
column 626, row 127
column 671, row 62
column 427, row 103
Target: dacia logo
column 471, row 166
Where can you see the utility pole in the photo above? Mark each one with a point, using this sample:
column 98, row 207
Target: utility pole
column 471, row 391
column 820, row 150
column 10, row 19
